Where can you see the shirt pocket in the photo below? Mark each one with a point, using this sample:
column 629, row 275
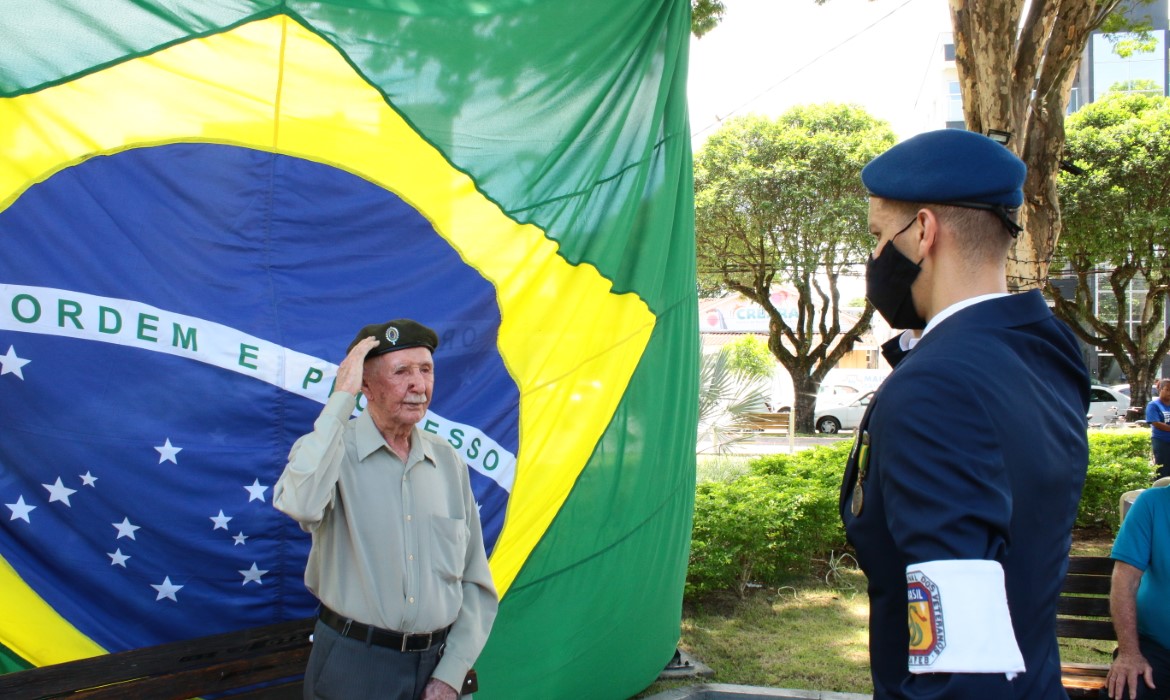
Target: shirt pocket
column 449, row 537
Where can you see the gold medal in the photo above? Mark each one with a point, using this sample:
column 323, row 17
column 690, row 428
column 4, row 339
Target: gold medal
column 862, row 468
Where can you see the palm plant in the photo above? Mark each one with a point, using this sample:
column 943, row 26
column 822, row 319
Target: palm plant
column 727, row 397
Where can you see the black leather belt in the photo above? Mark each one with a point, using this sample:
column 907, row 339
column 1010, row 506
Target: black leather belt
column 401, row 641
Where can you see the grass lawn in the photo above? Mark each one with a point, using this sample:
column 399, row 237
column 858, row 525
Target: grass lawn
column 810, row 635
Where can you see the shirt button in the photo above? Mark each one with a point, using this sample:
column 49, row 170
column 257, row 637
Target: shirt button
column 411, row 557
column 410, row 600
column 408, row 518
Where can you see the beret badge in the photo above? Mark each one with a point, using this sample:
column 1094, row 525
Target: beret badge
column 397, row 334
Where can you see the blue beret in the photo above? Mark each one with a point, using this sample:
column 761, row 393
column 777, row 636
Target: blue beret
column 948, row 166
column 399, row 334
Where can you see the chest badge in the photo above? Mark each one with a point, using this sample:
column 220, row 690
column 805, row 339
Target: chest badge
column 858, row 501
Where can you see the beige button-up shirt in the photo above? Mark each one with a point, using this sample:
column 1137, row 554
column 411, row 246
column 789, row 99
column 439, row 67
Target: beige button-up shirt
column 395, row 545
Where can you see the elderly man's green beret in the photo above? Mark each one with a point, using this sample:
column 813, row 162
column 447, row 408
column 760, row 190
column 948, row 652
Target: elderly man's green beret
column 399, row 334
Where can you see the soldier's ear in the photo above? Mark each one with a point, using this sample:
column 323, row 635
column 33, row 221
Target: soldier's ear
column 928, row 230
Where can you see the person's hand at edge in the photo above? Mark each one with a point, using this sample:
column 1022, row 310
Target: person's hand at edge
column 1125, row 671
column 349, row 372
column 438, row 690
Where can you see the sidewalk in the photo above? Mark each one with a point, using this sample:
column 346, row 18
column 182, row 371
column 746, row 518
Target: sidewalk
column 720, row 691
column 772, row 444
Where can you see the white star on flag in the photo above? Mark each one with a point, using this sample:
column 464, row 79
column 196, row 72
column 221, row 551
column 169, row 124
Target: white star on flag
column 88, row 479
column 252, row 574
column 167, row 452
column 11, row 364
column 117, row 558
column 256, row 491
column 20, row 510
column 220, row 520
column 125, row 529
column 58, row 492
column 241, row 538
column 166, row 589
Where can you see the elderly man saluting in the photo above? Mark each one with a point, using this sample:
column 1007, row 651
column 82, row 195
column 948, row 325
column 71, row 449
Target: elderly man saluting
column 398, row 559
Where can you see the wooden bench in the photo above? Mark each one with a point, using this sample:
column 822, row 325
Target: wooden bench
column 275, row 655
column 1082, row 612
column 769, row 423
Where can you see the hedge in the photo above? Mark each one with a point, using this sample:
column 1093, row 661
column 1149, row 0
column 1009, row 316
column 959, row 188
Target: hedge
column 1119, row 461
column 780, row 519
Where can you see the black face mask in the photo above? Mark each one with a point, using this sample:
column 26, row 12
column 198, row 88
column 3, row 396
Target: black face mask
column 888, row 279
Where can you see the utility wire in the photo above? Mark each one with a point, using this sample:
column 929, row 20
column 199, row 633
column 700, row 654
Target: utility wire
column 802, row 68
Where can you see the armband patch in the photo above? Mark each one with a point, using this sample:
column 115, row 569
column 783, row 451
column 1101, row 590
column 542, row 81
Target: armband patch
column 928, row 636
column 958, row 619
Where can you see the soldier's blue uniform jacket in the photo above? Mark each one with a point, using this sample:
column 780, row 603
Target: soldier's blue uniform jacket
column 976, row 449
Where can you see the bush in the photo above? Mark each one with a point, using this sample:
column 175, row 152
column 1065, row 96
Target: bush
column 776, row 521
column 823, row 465
column 1109, row 445
column 733, row 535
column 781, row 519
column 720, row 467
column 1104, row 484
column 1118, row 462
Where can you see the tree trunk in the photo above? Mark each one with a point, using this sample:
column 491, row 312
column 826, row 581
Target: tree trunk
column 1028, row 262
column 815, row 347
column 985, row 56
column 1140, row 384
column 805, row 401
column 1017, row 78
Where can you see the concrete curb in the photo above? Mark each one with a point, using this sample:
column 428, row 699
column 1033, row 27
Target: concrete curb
column 720, row 691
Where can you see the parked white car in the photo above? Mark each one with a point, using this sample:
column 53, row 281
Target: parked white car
column 1106, row 405
column 836, row 394
column 828, row 395
column 829, row 419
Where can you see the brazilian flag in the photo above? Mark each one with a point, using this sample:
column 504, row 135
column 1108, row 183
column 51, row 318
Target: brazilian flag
column 201, row 201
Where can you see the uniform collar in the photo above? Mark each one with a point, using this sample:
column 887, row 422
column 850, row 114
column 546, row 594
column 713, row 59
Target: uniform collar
column 957, row 307
column 989, row 311
column 367, row 441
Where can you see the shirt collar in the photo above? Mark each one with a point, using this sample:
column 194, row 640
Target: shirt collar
column 367, row 441
column 957, row 307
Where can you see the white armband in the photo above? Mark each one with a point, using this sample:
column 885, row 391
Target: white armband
column 959, row 619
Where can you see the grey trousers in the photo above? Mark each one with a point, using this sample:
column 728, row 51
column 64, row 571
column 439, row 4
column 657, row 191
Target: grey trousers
column 341, row 668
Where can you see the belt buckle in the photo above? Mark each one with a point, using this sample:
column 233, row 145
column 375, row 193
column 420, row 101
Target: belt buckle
column 406, row 641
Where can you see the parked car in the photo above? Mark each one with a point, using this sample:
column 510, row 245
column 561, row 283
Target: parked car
column 1124, row 388
column 829, row 419
column 836, row 394
column 1106, row 405
column 828, row 395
